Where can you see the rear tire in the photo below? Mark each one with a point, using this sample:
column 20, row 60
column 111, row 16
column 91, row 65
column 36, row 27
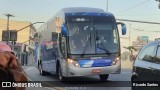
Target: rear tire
column 41, row 72
column 103, row 77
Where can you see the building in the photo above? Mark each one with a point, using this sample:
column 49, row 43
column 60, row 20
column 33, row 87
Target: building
column 24, row 46
column 141, row 40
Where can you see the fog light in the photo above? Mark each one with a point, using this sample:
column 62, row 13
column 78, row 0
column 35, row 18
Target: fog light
column 76, row 64
column 115, row 60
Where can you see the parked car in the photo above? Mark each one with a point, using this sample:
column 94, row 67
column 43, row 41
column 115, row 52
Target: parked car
column 147, row 64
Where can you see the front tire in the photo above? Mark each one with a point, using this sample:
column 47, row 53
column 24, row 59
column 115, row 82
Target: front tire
column 103, row 77
column 61, row 77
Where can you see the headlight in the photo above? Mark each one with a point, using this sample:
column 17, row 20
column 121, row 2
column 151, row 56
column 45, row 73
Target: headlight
column 70, row 61
column 115, row 60
column 75, row 63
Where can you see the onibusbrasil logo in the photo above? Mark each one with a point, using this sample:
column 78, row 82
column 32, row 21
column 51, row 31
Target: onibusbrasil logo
column 20, row 84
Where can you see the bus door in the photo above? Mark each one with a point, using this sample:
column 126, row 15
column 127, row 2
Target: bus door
column 62, row 45
column 44, row 57
column 53, row 53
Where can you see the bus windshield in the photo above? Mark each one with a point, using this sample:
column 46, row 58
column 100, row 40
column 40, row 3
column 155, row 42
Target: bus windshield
column 92, row 35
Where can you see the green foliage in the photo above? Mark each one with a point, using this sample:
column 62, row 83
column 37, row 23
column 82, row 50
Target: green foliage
column 131, row 48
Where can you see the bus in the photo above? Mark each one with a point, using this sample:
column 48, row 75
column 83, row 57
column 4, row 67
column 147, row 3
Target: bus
column 79, row 41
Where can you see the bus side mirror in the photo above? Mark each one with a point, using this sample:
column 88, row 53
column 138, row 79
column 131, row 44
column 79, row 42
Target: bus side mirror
column 64, row 31
column 123, row 27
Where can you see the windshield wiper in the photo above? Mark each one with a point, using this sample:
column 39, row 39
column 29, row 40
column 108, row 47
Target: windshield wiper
column 107, row 51
column 104, row 49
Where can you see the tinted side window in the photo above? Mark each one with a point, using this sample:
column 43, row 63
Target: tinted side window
column 62, row 44
column 147, row 53
column 158, row 55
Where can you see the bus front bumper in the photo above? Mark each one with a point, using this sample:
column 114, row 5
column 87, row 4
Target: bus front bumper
column 73, row 71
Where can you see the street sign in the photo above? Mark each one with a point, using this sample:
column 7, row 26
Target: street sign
column 9, row 35
column 13, row 35
column 144, row 38
column 5, row 35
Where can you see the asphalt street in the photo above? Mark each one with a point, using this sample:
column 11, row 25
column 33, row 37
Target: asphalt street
column 51, row 82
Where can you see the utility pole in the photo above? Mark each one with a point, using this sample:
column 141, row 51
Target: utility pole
column 107, row 6
column 8, row 15
column 158, row 4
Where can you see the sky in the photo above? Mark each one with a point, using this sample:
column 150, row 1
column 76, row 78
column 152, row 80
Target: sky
column 43, row 10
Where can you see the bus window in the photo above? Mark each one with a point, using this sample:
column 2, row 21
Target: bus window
column 62, row 45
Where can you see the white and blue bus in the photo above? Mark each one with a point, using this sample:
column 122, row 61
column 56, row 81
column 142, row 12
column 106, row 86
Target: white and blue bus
column 79, row 41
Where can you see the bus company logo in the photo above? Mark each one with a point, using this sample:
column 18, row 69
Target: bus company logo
column 6, row 84
column 108, row 60
column 94, row 58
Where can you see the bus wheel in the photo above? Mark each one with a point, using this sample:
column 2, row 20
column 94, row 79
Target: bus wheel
column 43, row 73
column 61, row 77
column 103, row 77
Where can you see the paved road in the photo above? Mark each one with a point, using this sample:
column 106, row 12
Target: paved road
column 95, row 84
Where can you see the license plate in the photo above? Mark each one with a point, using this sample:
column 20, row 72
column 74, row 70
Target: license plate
column 96, row 70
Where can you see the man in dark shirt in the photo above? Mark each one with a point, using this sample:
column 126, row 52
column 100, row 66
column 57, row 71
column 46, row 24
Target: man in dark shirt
column 76, row 39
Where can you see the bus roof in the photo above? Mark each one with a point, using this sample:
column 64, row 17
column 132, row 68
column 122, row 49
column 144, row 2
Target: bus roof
column 82, row 9
column 86, row 11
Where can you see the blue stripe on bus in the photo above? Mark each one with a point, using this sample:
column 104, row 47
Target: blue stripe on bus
column 89, row 14
column 96, row 63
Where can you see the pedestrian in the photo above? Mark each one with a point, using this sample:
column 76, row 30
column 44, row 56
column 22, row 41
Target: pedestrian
column 76, row 38
column 10, row 68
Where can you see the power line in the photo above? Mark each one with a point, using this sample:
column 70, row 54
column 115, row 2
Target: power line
column 133, row 6
column 136, row 29
column 143, row 30
column 142, row 14
column 138, row 21
column 124, row 37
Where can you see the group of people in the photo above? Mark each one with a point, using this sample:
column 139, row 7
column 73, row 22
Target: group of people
column 80, row 38
column 77, row 40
